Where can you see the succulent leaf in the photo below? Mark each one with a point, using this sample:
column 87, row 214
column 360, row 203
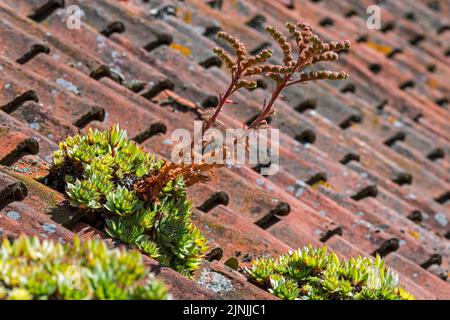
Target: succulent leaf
column 42, row 269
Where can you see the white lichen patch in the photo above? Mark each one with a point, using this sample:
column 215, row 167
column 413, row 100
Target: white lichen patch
column 68, row 85
column 49, row 228
column 441, row 218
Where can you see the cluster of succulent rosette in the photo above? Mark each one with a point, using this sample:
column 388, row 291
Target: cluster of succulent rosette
column 316, row 274
column 43, row 269
column 99, row 172
column 309, row 49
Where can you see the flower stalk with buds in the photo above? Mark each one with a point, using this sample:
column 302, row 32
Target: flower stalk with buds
column 310, row 50
column 243, row 67
column 240, row 68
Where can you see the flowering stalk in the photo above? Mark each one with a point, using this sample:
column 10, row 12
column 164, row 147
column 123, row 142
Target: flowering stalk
column 239, row 68
column 242, row 69
column 310, row 51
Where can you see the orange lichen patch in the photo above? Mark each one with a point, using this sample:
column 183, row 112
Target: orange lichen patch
column 380, row 48
column 432, row 83
column 375, row 121
column 182, row 49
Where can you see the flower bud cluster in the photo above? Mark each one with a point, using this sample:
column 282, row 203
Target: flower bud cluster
column 225, row 57
column 283, row 43
column 261, row 57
